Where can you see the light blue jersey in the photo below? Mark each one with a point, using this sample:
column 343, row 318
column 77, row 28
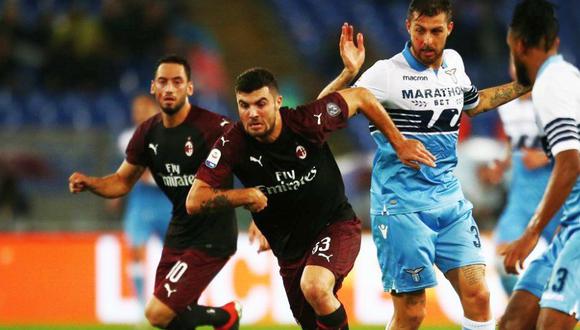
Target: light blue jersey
column 557, row 105
column 420, row 218
column 425, row 105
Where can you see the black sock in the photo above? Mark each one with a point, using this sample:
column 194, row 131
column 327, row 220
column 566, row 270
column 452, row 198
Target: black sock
column 196, row 315
column 334, row 321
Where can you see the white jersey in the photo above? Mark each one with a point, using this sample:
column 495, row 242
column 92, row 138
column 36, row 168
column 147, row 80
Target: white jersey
column 425, row 105
column 520, row 124
column 556, row 96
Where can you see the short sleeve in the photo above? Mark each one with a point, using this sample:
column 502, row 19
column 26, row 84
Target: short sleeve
column 470, row 91
column 557, row 105
column 375, row 79
column 316, row 120
column 222, row 158
column 135, row 151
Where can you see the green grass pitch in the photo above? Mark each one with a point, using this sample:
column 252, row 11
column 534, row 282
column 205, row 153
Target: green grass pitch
column 131, row 327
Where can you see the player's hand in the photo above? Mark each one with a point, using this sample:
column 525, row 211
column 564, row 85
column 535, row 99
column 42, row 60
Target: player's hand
column 353, row 55
column 412, row 152
column 534, row 158
column 516, row 252
column 77, row 183
column 254, row 234
column 258, row 201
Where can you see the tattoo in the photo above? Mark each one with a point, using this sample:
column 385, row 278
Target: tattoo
column 474, row 274
column 216, row 204
column 496, row 96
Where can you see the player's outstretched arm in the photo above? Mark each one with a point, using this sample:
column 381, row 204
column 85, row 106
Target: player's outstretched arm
column 562, row 180
column 493, row 97
column 111, row 186
column 203, row 198
column 410, row 152
column 353, row 57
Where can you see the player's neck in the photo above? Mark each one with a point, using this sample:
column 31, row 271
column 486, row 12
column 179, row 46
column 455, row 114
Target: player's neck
column 538, row 60
column 174, row 120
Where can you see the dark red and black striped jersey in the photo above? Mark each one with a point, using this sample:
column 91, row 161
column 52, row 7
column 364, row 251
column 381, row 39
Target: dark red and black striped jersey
column 173, row 156
column 297, row 172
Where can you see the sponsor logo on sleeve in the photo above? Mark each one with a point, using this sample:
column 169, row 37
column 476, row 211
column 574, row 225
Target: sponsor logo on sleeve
column 332, row 109
column 213, row 158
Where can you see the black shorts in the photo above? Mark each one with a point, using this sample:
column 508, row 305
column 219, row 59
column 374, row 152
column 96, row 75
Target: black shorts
column 182, row 275
column 335, row 249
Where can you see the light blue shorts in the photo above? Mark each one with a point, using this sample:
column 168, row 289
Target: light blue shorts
column 409, row 244
column 554, row 276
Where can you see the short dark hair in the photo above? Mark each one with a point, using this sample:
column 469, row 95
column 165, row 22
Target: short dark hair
column 430, row 8
column 254, row 79
column 535, row 22
column 177, row 60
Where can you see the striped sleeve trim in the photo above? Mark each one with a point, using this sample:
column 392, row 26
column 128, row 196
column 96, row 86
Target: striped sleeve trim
column 471, row 98
column 563, row 134
column 561, row 130
column 558, row 122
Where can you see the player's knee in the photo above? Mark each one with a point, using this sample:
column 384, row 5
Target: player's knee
column 156, row 317
column 413, row 316
column 412, row 311
column 476, row 297
column 315, row 291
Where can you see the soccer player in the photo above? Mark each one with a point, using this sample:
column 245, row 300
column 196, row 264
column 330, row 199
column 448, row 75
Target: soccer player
column 421, row 218
column 531, row 170
column 294, row 187
column 553, row 279
column 172, row 145
column 147, row 209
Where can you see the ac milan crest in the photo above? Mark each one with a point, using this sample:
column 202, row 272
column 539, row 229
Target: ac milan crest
column 188, row 147
column 300, row 152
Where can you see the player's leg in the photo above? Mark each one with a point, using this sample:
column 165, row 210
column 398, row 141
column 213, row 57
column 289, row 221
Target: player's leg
column 312, row 282
column 523, row 307
column 521, row 312
column 560, row 303
column 469, row 283
column 410, row 310
column 460, row 258
column 181, row 278
column 137, row 231
column 406, row 251
column 551, row 319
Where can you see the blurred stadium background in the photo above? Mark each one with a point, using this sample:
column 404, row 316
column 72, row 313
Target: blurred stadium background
column 68, row 70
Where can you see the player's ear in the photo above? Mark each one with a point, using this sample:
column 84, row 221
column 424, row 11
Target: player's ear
column 190, row 88
column 278, row 101
column 450, row 26
column 152, row 88
column 408, row 26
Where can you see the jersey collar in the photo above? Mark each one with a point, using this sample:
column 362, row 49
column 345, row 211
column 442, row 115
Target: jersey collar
column 414, row 63
column 548, row 61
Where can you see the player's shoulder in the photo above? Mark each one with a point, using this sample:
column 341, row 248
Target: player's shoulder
column 384, row 65
column 208, row 119
column 149, row 124
column 452, row 58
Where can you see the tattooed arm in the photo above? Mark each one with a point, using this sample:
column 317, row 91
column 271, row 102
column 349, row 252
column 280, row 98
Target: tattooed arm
column 203, row 198
column 493, row 97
